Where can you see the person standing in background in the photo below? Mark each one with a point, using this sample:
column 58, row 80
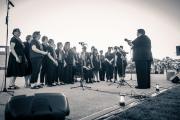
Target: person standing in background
column 36, row 55
column 44, row 61
column 27, row 54
column 52, row 64
column 68, row 64
column 109, row 58
column 17, row 63
column 60, row 59
column 102, row 66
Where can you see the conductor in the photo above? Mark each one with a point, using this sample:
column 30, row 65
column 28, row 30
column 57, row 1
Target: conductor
column 142, row 56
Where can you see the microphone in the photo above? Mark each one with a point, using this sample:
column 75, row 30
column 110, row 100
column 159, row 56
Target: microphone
column 127, row 40
column 10, row 3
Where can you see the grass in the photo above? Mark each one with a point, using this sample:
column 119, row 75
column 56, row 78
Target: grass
column 165, row 106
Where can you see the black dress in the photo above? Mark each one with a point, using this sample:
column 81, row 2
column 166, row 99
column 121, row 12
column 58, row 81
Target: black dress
column 109, row 67
column 95, row 61
column 68, row 69
column 14, row 68
column 27, row 54
column 51, row 73
column 60, row 58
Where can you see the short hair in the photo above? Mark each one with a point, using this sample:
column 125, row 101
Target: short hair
column 28, row 37
column 92, row 47
column 59, row 43
column 109, row 47
column 44, row 38
column 116, row 47
column 141, row 31
column 84, row 47
column 16, row 30
column 50, row 41
column 35, row 34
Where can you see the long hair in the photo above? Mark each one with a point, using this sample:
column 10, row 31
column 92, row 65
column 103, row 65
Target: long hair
column 66, row 46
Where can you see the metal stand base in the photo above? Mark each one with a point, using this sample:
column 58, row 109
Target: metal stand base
column 11, row 93
column 81, row 86
column 122, row 82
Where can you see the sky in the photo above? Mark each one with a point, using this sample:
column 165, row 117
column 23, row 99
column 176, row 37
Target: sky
column 99, row 23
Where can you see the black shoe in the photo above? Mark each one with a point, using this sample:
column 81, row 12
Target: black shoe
column 34, row 87
column 90, row 81
column 49, row 85
column 13, row 87
column 39, row 86
column 137, row 87
column 62, row 83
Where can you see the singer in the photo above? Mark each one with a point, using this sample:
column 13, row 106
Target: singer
column 142, row 56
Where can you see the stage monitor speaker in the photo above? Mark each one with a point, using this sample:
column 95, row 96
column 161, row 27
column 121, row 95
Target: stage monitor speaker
column 42, row 106
column 178, row 50
column 175, row 79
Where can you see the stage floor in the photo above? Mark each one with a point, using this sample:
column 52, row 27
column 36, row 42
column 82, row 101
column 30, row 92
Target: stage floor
column 90, row 103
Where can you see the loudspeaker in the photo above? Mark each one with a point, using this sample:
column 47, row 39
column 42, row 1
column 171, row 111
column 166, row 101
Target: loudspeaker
column 42, row 106
column 177, row 50
column 175, row 79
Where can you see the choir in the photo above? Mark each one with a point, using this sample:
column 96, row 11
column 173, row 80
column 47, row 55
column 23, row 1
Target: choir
column 61, row 64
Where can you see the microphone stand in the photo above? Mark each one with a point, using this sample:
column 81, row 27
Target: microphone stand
column 131, row 57
column 82, row 77
column 4, row 89
column 122, row 81
column 131, row 64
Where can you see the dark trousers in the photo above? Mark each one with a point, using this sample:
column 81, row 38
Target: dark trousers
column 60, row 71
column 43, row 70
column 109, row 71
column 143, row 68
column 115, row 72
column 36, row 65
column 68, row 74
column 102, row 74
column 51, row 73
column 119, row 70
column 88, row 74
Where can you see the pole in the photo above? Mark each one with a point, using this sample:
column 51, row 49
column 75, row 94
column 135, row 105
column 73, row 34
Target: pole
column 7, row 33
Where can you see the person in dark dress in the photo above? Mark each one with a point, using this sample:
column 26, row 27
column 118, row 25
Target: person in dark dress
column 120, row 62
column 27, row 54
column 101, row 66
column 95, row 64
column 117, row 63
column 109, row 59
column 75, row 63
column 52, row 64
column 44, row 61
column 17, row 63
column 142, row 56
column 124, row 60
column 68, row 64
column 60, row 59
column 36, row 56
column 86, row 72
